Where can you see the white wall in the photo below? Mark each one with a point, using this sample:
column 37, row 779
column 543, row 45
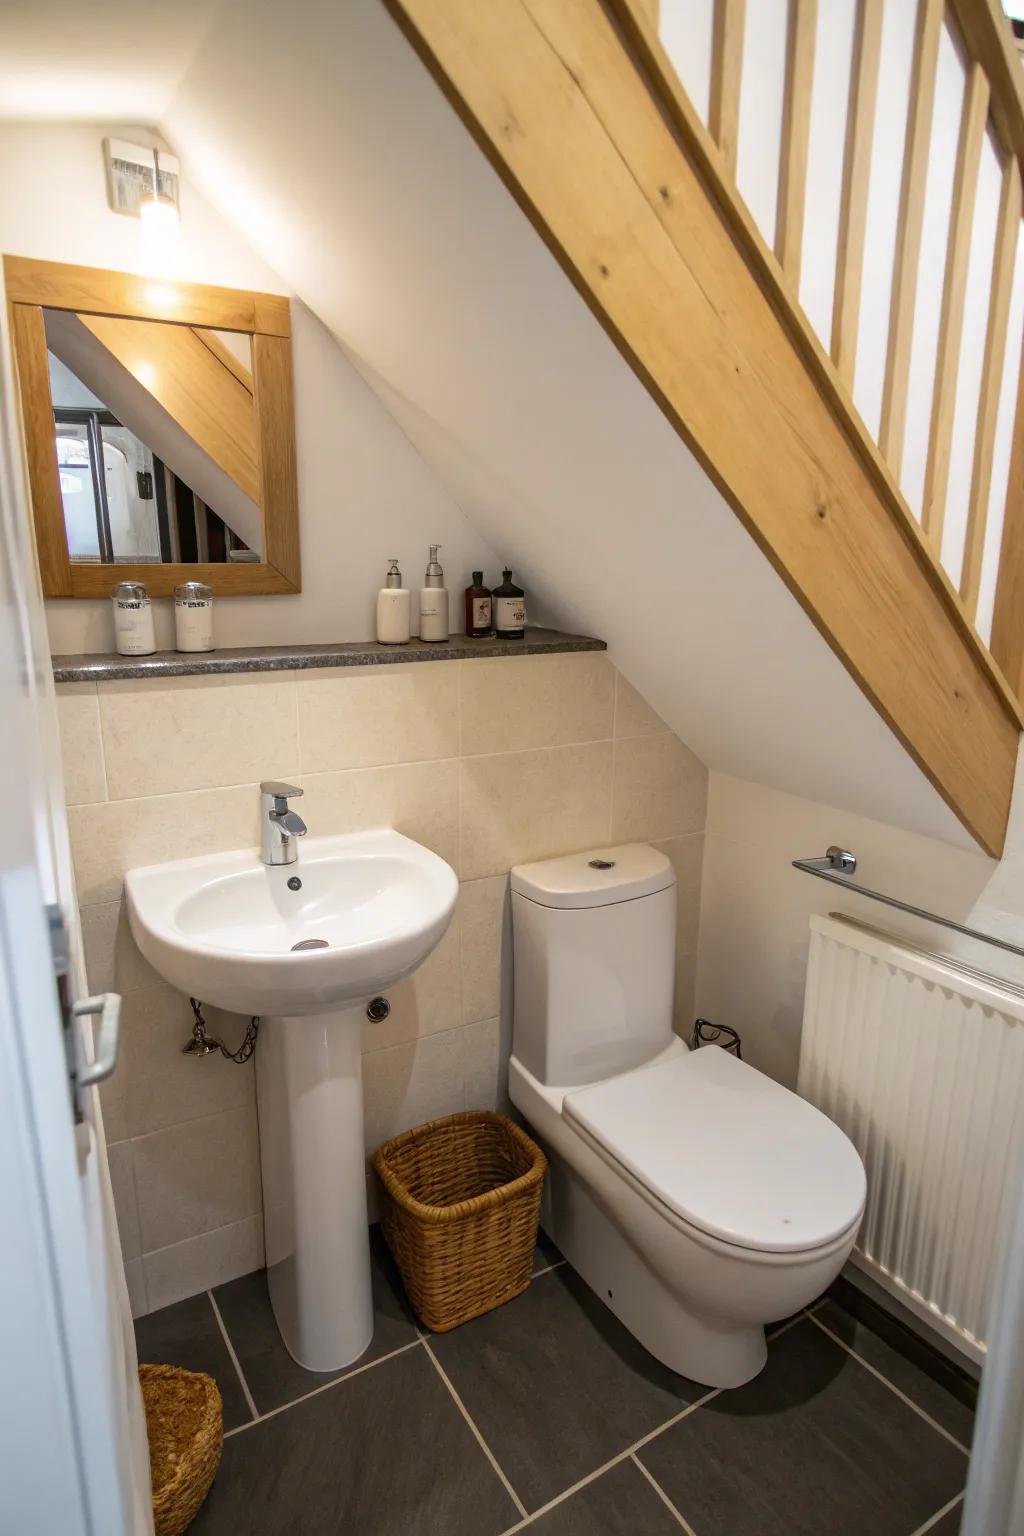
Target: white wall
column 420, row 261
column 364, row 491
column 752, row 951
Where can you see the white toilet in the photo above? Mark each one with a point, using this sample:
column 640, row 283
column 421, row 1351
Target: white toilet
column 696, row 1196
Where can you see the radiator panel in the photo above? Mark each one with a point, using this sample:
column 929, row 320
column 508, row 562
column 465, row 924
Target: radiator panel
column 921, row 1063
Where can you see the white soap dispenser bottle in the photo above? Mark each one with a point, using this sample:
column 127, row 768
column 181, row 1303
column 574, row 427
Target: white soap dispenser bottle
column 393, row 609
column 434, row 601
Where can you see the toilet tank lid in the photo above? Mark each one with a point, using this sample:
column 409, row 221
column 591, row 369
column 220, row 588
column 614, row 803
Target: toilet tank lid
column 597, row 878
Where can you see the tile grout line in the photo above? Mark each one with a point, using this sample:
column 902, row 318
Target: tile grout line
column 663, row 1496
column 335, row 1381
column 630, row 1450
column 234, row 1360
column 548, row 1268
column 933, row 1520
column 891, row 1385
column 517, row 1501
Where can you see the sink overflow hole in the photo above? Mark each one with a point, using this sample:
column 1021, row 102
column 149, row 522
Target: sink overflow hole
column 310, row 944
column 295, row 884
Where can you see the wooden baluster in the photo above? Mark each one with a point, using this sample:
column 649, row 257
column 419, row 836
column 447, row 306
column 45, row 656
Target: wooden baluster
column 1007, row 643
column 973, row 118
column 908, row 231
column 1003, row 262
column 796, row 121
column 726, row 73
column 860, row 133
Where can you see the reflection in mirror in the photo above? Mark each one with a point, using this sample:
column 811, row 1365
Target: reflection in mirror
column 156, row 439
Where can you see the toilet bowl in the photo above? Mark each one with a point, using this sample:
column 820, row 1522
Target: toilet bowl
column 697, row 1197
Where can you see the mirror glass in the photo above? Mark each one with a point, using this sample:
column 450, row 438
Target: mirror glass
column 156, row 437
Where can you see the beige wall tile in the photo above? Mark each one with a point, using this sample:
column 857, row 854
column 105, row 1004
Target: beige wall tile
column 408, row 1084
column 199, row 1263
column 486, row 940
column 122, row 1180
column 135, row 1280
column 426, row 1002
column 484, row 1066
column 687, row 856
column 660, row 789
column 171, row 734
column 633, row 715
column 533, row 805
column 108, row 839
column 512, row 704
column 419, row 799
column 163, row 1087
column 112, row 960
column 78, row 714
column 196, row 1177
column 358, row 717
column 114, row 1104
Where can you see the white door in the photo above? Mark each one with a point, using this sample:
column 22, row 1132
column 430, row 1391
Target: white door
column 73, row 1458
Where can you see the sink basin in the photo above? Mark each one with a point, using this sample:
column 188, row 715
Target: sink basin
column 305, row 946
column 225, row 928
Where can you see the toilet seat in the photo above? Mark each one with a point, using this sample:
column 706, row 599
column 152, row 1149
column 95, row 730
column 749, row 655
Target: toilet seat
column 726, row 1150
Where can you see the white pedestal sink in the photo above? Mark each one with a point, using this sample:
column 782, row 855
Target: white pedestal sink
column 305, row 946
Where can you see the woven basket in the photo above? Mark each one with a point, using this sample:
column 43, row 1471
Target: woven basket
column 185, row 1425
column 460, row 1201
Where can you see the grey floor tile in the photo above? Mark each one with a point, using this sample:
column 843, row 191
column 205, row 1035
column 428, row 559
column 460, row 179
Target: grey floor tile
column 272, row 1375
column 385, row 1453
column 557, row 1385
column 921, row 1388
column 621, row 1502
column 815, row 1443
column 949, row 1525
column 187, row 1334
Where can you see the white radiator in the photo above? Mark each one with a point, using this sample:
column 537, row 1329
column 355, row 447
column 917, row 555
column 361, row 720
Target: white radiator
column 921, row 1061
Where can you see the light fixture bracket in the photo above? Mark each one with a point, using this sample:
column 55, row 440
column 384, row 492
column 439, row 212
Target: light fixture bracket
column 132, row 170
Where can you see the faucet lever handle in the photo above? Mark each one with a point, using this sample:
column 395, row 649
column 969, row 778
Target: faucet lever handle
column 280, row 792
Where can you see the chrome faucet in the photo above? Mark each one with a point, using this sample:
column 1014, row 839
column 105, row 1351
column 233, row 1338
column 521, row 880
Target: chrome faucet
column 279, row 825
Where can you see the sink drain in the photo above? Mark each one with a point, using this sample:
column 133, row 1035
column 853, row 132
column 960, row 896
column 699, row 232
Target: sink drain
column 311, row 944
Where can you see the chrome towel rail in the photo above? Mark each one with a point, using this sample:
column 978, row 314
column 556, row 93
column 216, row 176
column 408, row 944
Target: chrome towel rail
column 839, row 864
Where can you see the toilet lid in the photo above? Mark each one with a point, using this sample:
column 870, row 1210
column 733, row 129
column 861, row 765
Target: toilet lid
column 727, row 1149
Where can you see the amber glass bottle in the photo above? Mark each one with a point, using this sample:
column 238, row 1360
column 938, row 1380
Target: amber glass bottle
column 478, row 609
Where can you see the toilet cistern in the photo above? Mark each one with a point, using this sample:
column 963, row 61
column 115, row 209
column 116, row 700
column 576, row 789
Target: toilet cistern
column 280, row 826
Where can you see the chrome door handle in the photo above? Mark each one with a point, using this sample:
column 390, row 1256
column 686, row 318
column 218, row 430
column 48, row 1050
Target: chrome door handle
column 108, row 1006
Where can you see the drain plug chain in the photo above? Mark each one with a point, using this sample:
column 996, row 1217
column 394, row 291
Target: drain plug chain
column 202, row 1044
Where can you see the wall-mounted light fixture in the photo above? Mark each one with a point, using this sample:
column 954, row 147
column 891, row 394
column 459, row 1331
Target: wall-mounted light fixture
column 143, row 183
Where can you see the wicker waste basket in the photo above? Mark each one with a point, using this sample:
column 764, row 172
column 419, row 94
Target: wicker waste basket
column 460, row 1201
column 185, row 1425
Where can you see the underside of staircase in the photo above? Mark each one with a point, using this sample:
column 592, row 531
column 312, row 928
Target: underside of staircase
column 581, row 114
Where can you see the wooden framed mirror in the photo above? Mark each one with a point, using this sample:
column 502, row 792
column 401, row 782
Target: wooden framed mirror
column 159, row 431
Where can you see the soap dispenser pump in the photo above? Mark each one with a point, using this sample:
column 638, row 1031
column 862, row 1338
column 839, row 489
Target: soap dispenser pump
column 393, row 609
column 433, row 600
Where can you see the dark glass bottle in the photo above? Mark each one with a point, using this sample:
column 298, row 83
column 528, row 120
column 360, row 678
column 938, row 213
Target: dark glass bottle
column 509, row 609
column 478, row 609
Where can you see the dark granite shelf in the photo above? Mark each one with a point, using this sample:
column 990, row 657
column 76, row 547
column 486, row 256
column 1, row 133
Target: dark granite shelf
column 103, row 668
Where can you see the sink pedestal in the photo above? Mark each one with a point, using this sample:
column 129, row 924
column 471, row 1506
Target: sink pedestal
column 309, row 1086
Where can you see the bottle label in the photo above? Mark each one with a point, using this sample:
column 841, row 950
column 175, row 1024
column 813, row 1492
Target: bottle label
column 511, row 613
column 481, row 613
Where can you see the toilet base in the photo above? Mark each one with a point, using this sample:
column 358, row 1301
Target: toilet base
column 706, row 1350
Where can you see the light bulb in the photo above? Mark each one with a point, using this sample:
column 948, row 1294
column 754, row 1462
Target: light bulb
column 161, row 236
